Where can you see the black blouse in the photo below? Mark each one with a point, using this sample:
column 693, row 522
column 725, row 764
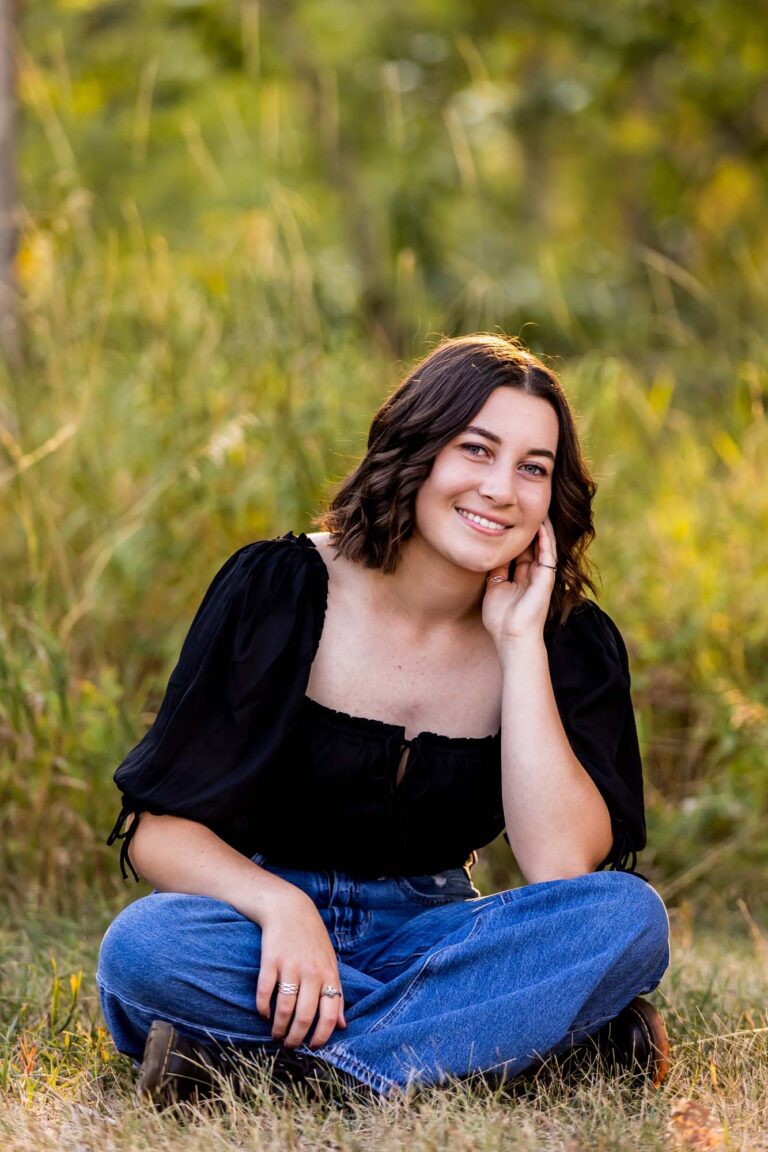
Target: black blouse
column 237, row 743
column 348, row 811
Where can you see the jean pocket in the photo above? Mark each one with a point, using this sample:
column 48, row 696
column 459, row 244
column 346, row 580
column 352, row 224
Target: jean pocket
column 441, row 888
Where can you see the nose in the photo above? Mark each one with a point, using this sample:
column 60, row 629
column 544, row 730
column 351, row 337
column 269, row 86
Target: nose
column 499, row 485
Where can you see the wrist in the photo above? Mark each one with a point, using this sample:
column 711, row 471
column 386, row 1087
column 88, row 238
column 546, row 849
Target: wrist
column 515, row 649
column 270, row 894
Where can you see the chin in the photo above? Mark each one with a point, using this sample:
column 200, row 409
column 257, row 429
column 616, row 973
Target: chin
column 479, row 563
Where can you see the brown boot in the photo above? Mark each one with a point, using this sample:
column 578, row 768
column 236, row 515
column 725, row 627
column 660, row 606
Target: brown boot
column 175, row 1068
column 636, row 1041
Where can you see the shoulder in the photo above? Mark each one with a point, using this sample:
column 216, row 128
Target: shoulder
column 268, row 593
column 588, row 639
column 342, row 573
column 261, row 573
column 268, row 561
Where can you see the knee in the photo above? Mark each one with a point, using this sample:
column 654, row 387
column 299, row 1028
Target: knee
column 637, row 908
column 119, row 952
column 137, row 945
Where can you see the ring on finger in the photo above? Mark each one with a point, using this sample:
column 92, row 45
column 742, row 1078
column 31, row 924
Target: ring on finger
column 552, row 567
column 329, row 990
column 288, row 989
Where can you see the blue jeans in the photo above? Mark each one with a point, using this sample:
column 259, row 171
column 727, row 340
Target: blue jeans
column 437, row 980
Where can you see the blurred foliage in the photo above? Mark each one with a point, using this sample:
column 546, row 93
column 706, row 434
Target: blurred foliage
column 240, row 218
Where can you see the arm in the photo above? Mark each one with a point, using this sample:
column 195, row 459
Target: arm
column 260, row 612
column 178, row 855
column 557, row 822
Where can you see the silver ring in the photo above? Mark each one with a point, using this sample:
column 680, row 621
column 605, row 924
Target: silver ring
column 552, row 567
column 496, row 580
column 329, row 990
column 288, row 989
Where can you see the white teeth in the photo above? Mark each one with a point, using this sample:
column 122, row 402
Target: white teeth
column 481, row 520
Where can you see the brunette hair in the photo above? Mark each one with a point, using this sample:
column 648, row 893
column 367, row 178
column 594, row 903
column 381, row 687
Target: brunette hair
column 372, row 512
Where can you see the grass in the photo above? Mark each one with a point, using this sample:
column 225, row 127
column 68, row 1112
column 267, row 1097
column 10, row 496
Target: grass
column 63, row 1085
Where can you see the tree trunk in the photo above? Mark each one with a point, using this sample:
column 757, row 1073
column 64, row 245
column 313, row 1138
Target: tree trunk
column 9, row 326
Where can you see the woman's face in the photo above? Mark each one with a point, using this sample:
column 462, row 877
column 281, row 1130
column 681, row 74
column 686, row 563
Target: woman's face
column 491, row 486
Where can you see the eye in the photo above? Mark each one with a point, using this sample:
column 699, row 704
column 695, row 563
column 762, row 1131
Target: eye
column 477, row 450
column 534, row 469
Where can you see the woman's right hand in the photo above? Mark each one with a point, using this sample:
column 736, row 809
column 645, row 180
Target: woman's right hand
column 178, row 855
column 296, row 949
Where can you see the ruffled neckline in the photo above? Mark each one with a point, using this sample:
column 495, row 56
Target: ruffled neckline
column 383, row 729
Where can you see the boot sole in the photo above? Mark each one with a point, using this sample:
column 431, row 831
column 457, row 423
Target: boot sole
column 153, row 1074
column 651, row 1022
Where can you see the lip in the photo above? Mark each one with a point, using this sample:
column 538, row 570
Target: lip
column 502, row 527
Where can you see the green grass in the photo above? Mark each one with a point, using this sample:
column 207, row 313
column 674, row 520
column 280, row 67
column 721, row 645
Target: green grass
column 62, row 1084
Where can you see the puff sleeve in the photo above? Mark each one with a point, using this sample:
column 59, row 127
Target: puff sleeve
column 590, row 677
column 234, row 693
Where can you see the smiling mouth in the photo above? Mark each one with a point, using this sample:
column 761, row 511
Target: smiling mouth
column 483, row 521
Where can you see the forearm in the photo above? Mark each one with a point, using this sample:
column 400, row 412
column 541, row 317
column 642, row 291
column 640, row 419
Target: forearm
column 556, row 820
column 177, row 855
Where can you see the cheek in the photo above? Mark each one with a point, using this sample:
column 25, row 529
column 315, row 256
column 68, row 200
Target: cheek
column 537, row 500
column 426, row 502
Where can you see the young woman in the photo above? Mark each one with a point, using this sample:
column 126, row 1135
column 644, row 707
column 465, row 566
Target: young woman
column 353, row 714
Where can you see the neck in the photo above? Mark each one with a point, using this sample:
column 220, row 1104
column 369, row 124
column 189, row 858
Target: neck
column 427, row 591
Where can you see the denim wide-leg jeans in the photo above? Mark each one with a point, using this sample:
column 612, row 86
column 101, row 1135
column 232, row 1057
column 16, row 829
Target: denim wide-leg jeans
column 438, row 981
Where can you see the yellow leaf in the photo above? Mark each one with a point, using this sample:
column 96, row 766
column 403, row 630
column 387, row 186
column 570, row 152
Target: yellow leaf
column 727, row 449
column 693, row 1125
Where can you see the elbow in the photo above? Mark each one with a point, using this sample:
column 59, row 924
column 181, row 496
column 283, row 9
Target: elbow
column 567, row 857
column 544, row 871
column 564, row 861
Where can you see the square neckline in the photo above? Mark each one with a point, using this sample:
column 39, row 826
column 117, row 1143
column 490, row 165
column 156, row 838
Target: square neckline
column 373, row 726
column 368, row 723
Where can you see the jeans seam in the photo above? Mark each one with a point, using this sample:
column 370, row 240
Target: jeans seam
column 344, row 1061
column 408, row 993
column 396, row 962
column 227, row 1036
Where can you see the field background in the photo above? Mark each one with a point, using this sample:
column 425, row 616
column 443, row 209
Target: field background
column 240, row 223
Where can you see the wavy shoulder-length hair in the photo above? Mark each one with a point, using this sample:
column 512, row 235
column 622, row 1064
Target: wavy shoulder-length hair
column 372, row 513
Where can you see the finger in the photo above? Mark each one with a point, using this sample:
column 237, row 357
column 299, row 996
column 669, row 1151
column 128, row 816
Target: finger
column 523, row 564
column 285, row 1007
column 306, row 1010
column 331, row 1015
column 265, row 986
column 547, row 552
column 498, row 576
column 528, row 555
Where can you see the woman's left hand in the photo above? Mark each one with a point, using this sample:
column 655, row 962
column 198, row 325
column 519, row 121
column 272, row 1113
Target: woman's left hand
column 517, row 608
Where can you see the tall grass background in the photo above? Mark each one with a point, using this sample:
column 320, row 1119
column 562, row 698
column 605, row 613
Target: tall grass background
column 158, row 426
column 207, row 334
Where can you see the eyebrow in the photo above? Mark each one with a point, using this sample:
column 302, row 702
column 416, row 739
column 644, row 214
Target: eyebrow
column 497, row 440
